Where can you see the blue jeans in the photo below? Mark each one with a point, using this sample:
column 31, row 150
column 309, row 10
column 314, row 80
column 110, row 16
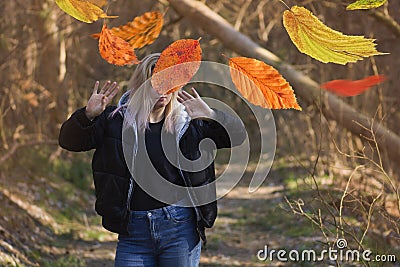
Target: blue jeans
column 164, row 237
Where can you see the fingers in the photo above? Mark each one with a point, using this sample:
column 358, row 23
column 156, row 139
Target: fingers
column 96, row 87
column 105, row 87
column 109, row 94
column 185, row 95
column 111, row 89
column 113, row 92
column 180, row 100
column 196, row 95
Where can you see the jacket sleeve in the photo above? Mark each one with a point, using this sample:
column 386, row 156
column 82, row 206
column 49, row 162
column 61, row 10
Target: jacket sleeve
column 79, row 133
column 225, row 130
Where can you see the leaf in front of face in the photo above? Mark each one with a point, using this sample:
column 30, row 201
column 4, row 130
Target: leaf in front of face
column 177, row 65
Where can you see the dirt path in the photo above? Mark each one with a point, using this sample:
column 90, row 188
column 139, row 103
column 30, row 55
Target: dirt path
column 245, row 224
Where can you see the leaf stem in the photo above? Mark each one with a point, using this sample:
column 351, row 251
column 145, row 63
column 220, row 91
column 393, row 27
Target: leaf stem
column 284, row 4
column 165, row 11
column 225, row 57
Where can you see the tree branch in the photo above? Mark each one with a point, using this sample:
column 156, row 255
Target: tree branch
column 387, row 20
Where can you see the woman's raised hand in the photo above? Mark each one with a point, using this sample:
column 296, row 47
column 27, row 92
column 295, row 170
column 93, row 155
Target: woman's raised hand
column 99, row 100
column 195, row 106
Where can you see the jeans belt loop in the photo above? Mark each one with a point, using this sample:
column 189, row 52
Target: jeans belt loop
column 166, row 213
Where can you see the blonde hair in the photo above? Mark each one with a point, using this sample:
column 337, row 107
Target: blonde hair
column 140, row 103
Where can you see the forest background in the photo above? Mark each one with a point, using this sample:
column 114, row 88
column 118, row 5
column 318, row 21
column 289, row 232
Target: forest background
column 332, row 181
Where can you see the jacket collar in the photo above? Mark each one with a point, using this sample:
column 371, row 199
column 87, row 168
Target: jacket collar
column 182, row 122
column 183, row 118
column 122, row 103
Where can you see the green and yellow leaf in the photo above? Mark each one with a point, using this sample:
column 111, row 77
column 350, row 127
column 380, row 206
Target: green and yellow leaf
column 365, row 4
column 317, row 40
column 82, row 10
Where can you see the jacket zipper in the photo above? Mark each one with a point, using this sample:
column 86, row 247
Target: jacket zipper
column 180, row 134
column 131, row 180
column 130, row 191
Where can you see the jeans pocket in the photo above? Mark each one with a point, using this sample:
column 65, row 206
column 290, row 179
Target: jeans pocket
column 180, row 214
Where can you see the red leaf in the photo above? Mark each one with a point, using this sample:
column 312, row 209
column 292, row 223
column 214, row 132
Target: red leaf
column 352, row 88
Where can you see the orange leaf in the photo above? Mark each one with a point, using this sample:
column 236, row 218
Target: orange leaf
column 352, row 88
column 143, row 30
column 115, row 50
column 177, row 65
column 261, row 84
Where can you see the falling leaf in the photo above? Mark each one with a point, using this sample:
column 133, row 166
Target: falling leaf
column 82, row 10
column 365, row 4
column 352, row 88
column 261, row 84
column 115, row 50
column 177, row 65
column 99, row 3
column 143, row 30
column 317, row 40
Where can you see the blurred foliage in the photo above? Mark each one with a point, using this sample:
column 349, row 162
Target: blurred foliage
column 77, row 170
column 66, row 261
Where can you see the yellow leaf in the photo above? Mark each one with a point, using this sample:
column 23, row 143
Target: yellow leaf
column 143, row 30
column 261, row 84
column 82, row 10
column 315, row 39
column 99, row 3
column 365, row 4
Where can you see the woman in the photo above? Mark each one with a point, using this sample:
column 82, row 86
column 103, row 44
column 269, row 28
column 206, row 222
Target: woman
column 151, row 232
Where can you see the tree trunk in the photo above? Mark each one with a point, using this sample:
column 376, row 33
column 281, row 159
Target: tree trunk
column 305, row 88
column 47, row 71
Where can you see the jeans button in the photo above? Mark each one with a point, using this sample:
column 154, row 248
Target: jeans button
column 149, row 214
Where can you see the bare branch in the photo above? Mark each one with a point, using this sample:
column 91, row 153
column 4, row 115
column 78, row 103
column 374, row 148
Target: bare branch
column 386, row 19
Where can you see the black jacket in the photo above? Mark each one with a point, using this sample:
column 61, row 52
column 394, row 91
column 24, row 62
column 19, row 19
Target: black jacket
column 112, row 178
